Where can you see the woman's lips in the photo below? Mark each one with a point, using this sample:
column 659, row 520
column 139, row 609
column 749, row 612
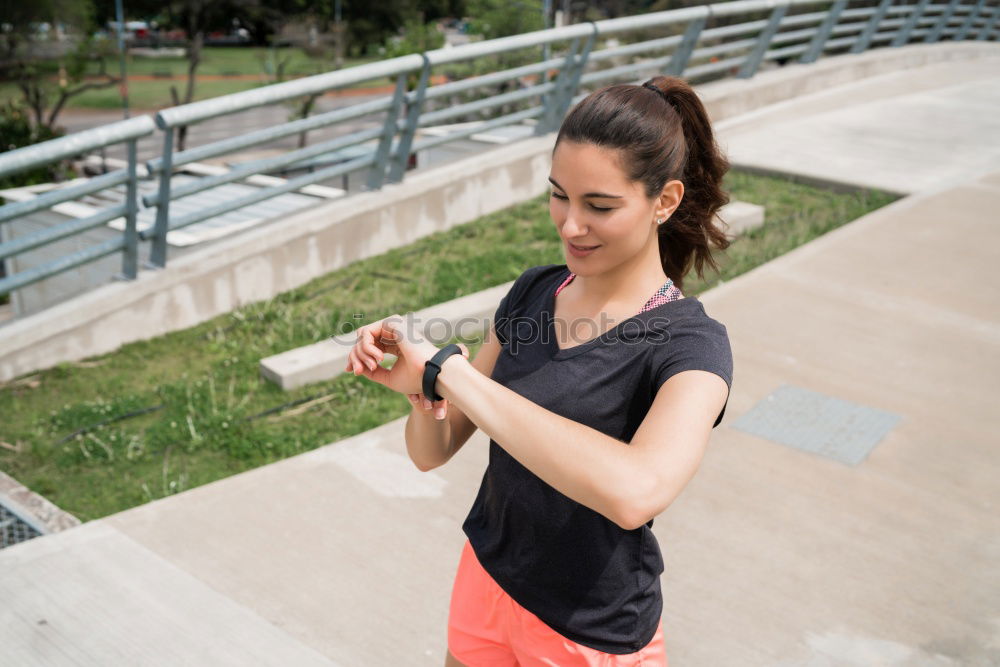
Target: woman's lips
column 577, row 251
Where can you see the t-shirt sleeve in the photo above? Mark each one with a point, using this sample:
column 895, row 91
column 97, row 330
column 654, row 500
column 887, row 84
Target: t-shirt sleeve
column 701, row 344
column 501, row 318
column 506, row 310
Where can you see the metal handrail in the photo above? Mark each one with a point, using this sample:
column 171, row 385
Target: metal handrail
column 696, row 50
column 30, row 157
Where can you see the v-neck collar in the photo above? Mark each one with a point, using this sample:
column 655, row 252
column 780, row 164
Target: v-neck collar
column 607, row 337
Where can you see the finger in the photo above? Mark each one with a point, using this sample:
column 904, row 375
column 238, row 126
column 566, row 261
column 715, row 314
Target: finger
column 440, row 409
column 360, row 354
column 371, row 354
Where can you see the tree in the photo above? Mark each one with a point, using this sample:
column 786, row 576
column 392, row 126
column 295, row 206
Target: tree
column 498, row 18
column 50, row 67
column 196, row 18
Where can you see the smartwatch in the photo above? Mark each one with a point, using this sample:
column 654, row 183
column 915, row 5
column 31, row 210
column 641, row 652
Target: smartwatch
column 433, row 367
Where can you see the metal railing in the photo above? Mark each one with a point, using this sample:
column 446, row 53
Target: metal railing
column 23, row 159
column 769, row 31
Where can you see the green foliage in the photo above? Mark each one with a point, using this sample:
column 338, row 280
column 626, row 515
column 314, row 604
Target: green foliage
column 48, row 72
column 500, row 18
column 17, row 131
column 416, row 37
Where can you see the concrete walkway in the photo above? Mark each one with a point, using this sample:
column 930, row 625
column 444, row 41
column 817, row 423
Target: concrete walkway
column 904, row 132
column 774, row 556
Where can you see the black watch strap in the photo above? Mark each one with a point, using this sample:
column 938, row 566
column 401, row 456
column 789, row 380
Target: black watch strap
column 433, row 367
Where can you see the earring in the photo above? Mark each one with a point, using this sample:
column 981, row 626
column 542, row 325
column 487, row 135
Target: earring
column 660, row 221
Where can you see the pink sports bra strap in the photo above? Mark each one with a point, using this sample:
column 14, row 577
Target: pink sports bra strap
column 667, row 292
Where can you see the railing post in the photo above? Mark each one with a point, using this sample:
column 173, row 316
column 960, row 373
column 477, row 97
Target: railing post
column 397, row 165
column 963, row 29
column 158, row 245
column 376, row 174
column 865, row 38
column 935, row 32
column 823, row 33
column 551, row 100
column 755, row 57
column 903, row 36
column 130, row 256
column 572, row 82
column 990, row 23
column 683, row 52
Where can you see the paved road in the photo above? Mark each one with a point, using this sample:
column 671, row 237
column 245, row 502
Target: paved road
column 774, row 555
column 232, row 125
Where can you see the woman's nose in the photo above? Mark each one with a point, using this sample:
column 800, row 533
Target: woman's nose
column 572, row 227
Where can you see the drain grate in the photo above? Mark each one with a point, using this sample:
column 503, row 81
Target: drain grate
column 14, row 528
column 817, row 423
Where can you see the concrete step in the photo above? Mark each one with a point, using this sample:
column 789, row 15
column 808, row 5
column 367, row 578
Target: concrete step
column 326, row 359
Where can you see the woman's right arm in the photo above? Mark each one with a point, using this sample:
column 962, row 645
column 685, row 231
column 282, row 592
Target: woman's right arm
column 431, row 442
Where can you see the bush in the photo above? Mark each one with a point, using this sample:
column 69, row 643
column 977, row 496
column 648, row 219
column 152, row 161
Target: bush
column 17, row 131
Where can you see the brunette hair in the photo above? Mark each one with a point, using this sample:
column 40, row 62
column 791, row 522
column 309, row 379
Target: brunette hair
column 664, row 134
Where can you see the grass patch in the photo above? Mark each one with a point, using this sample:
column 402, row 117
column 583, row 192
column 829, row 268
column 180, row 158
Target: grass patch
column 216, row 61
column 159, row 416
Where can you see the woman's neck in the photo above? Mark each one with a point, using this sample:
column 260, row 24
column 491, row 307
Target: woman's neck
column 620, row 287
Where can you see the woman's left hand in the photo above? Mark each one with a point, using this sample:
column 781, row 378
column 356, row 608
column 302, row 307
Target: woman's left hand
column 393, row 335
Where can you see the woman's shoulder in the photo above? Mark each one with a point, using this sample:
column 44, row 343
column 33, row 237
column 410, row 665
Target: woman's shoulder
column 691, row 338
column 541, row 273
column 534, row 279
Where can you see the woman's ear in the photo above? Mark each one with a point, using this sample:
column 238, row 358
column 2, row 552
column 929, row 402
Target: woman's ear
column 670, row 198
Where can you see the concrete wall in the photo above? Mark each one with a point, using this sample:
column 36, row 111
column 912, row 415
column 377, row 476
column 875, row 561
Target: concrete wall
column 283, row 254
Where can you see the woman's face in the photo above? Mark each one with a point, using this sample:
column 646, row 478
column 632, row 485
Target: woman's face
column 593, row 204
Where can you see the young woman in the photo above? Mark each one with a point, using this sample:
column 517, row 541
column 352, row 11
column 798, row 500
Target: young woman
column 599, row 385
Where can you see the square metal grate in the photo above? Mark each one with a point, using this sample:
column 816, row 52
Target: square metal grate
column 817, row 423
column 14, row 529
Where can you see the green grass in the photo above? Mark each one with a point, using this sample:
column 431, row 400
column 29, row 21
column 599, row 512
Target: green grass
column 203, row 387
column 216, row 61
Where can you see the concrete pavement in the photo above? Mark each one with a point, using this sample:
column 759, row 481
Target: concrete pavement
column 903, row 132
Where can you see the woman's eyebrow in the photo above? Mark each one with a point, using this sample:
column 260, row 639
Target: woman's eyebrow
column 589, row 194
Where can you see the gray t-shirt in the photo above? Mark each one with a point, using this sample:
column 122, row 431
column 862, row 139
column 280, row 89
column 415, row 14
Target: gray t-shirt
column 579, row 572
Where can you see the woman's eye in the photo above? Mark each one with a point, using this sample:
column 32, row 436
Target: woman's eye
column 596, row 208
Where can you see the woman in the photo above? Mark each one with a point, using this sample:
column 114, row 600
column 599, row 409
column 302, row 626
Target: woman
column 595, row 427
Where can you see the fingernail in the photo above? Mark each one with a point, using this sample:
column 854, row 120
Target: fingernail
column 371, row 364
column 440, row 414
column 427, row 404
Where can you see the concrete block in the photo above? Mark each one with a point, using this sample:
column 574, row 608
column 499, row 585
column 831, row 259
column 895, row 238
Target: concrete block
column 738, row 217
column 462, row 318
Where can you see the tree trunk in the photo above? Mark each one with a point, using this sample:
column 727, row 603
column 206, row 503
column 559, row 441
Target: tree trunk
column 194, row 59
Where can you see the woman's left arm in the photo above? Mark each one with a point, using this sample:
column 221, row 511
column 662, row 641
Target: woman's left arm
column 628, row 483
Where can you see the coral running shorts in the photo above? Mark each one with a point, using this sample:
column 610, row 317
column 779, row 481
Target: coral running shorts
column 487, row 628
